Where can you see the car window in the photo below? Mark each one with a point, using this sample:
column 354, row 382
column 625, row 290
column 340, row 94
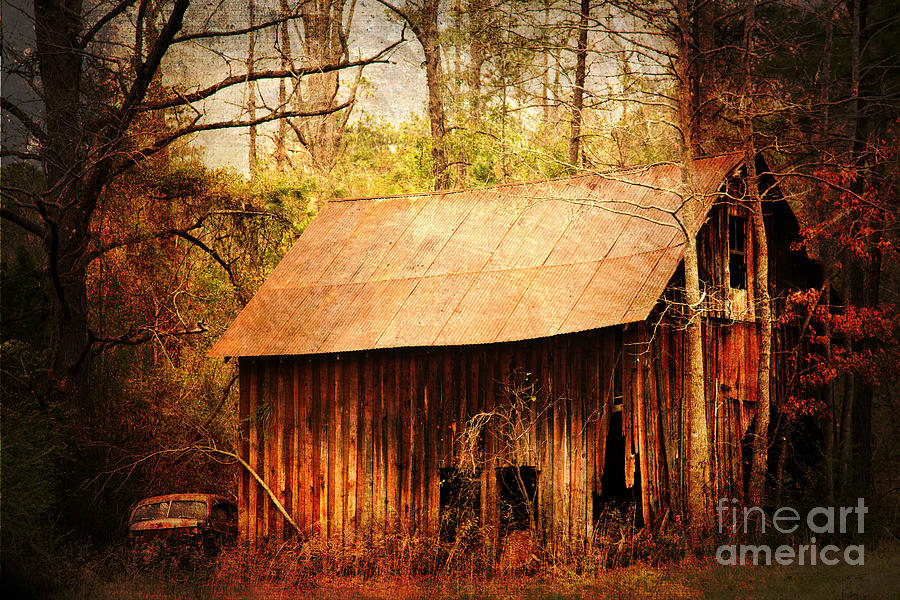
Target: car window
column 188, row 509
column 147, row 512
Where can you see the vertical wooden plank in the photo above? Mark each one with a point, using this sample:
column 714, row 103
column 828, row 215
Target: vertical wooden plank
column 295, row 448
column 361, row 514
column 390, row 394
column 253, row 509
column 404, row 398
column 378, row 492
column 576, row 385
column 592, row 416
column 285, row 418
column 274, row 524
column 418, row 442
column 336, row 466
column 273, row 443
column 306, row 484
column 246, row 485
column 351, row 414
column 434, row 448
column 384, row 444
column 452, row 400
column 546, row 480
column 328, row 460
column 269, row 443
column 320, row 453
column 368, row 385
column 265, row 426
column 641, row 425
column 629, row 393
column 425, row 448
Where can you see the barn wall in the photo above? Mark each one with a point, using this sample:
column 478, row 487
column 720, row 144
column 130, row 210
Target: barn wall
column 653, row 415
column 352, row 444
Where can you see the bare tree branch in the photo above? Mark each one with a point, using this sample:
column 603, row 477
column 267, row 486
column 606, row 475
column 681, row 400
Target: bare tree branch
column 25, row 223
column 117, row 10
column 197, row 127
column 200, row 35
column 23, row 118
column 183, row 99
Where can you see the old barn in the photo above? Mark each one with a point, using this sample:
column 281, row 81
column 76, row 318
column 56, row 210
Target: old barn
column 541, row 319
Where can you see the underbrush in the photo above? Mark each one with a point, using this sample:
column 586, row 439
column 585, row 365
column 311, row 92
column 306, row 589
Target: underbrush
column 318, row 571
column 382, row 567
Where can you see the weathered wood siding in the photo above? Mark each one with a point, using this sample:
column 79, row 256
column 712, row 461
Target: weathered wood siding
column 352, row 444
column 653, row 413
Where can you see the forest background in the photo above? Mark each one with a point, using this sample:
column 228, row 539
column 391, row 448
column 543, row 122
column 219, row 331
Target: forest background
column 159, row 157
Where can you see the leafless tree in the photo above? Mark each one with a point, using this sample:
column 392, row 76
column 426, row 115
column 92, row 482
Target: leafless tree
column 96, row 72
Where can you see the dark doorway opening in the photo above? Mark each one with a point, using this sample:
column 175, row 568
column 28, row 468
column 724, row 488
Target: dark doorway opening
column 460, row 503
column 616, row 495
column 517, row 496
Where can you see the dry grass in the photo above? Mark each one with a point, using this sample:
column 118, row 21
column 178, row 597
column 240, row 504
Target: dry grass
column 289, row 573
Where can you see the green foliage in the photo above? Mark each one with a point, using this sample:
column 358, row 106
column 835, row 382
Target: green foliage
column 34, row 438
column 382, row 160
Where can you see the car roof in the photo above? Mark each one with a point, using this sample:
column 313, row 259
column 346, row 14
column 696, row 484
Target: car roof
column 208, row 498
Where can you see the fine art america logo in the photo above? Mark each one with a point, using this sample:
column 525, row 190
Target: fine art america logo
column 820, row 520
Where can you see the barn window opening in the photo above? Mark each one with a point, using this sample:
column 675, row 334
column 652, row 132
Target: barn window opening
column 517, row 496
column 460, row 503
column 737, row 252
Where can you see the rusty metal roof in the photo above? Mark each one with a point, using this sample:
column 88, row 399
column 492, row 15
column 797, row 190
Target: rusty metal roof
column 502, row 263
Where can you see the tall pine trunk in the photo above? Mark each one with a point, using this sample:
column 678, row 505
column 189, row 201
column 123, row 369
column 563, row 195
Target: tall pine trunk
column 432, row 50
column 699, row 488
column 252, row 153
column 576, row 151
column 756, row 489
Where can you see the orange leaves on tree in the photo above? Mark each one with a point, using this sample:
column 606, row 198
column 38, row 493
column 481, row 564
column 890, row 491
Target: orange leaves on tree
column 844, row 340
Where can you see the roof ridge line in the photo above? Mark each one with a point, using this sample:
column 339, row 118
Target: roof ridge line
column 528, row 181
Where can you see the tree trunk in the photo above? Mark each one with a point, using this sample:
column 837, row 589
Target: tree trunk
column 324, row 42
column 575, row 147
column 57, row 27
column 287, row 61
column 865, row 287
column 827, row 423
column 429, row 41
column 252, row 155
column 698, row 467
column 756, row 489
column 477, row 56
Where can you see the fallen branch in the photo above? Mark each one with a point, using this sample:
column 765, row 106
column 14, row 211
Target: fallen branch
column 260, row 481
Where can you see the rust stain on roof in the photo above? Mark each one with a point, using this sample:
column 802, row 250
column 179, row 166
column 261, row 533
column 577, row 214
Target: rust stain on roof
column 509, row 262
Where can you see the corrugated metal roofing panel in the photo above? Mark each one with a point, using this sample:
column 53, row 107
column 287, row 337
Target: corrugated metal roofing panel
column 383, row 224
column 420, row 244
column 609, row 293
column 366, row 317
column 319, row 232
column 412, row 326
column 485, row 308
column 314, row 263
column 531, row 237
column 474, row 266
column 334, row 301
column 474, row 241
column 657, row 279
column 548, row 300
